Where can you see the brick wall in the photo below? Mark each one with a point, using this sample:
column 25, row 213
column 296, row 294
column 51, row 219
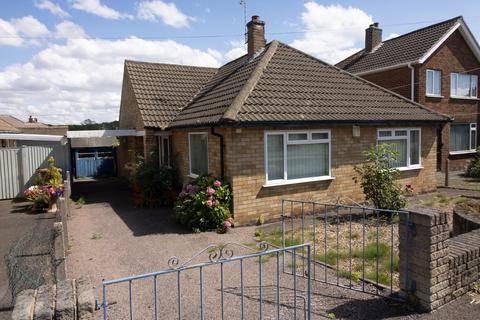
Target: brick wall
column 129, row 119
column 397, row 80
column 245, row 169
column 434, row 268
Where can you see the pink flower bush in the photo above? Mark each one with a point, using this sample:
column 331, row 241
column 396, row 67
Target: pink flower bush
column 209, row 203
column 210, row 191
column 217, row 183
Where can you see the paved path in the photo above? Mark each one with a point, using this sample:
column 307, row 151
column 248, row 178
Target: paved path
column 15, row 221
column 111, row 238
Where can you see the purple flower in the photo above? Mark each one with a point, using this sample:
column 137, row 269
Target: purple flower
column 210, row 191
column 182, row 194
column 191, row 189
column 217, row 183
column 209, row 203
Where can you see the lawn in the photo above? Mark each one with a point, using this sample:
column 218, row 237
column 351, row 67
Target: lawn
column 336, row 246
column 459, row 181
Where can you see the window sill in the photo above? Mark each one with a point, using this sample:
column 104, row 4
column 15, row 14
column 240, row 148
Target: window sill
column 297, row 181
column 410, row 168
column 193, row 176
column 464, row 98
column 453, row 153
column 434, row 96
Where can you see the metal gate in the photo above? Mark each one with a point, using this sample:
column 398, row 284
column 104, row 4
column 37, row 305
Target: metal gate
column 94, row 162
column 250, row 286
column 353, row 247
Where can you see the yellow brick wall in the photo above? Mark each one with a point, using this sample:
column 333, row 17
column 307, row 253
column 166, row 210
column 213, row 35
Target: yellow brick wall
column 245, row 170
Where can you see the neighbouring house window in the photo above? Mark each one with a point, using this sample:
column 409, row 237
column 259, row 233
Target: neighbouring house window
column 198, row 153
column 463, row 85
column 406, row 142
column 297, row 156
column 164, row 150
column 434, row 82
column 463, row 137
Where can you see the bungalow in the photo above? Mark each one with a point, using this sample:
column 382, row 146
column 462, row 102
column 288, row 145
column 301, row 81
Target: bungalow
column 277, row 123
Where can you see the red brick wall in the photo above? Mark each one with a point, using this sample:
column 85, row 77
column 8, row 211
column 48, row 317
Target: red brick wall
column 397, row 80
column 245, row 170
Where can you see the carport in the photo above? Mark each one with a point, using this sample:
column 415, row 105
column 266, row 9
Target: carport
column 93, row 152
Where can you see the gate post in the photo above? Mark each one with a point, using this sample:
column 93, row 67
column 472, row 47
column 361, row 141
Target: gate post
column 423, row 250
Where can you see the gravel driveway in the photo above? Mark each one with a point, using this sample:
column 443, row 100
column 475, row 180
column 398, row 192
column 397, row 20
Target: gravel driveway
column 111, row 238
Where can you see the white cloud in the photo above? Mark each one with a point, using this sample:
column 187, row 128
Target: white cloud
column 17, row 31
column 67, row 83
column 239, row 48
column 391, row 36
column 54, row 8
column 332, row 31
column 167, row 12
column 68, row 29
column 97, row 8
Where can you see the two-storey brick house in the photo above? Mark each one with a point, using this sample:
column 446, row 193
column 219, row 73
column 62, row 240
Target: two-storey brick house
column 437, row 66
column 276, row 124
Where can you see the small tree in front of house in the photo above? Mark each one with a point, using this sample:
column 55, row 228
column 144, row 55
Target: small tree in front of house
column 378, row 179
column 473, row 169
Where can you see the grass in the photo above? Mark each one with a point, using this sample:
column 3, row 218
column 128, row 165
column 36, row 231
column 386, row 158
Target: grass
column 80, row 202
column 387, row 261
column 96, row 236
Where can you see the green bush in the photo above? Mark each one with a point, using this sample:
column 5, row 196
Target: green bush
column 378, row 179
column 473, row 169
column 204, row 204
column 153, row 184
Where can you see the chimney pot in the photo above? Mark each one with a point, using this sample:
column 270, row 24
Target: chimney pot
column 256, row 35
column 373, row 37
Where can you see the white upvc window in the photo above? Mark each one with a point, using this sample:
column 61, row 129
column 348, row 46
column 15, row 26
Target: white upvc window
column 198, row 153
column 297, row 156
column 463, row 86
column 164, row 150
column 434, row 83
column 406, row 142
column 463, row 137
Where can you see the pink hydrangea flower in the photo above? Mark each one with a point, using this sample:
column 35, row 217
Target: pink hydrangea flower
column 217, row 183
column 210, row 191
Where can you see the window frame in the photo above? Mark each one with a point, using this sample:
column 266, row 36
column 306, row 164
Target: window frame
column 407, row 137
column 472, row 126
column 457, row 75
column 433, row 71
column 286, row 142
column 161, row 150
column 190, row 173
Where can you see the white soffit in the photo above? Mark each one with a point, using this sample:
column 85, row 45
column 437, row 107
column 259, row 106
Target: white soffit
column 104, row 133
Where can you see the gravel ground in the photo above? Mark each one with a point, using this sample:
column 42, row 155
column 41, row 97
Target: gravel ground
column 110, row 238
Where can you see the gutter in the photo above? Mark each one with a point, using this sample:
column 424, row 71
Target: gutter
column 222, row 166
column 412, row 81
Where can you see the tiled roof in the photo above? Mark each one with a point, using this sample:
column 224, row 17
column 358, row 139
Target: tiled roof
column 19, row 124
column 161, row 90
column 6, row 127
column 409, row 47
column 283, row 84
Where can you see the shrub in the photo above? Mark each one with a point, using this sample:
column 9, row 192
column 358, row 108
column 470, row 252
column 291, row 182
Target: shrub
column 204, row 204
column 153, row 184
column 378, row 179
column 473, row 169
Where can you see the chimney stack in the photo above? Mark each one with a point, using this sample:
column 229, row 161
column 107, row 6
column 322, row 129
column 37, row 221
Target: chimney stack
column 373, row 37
column 256, row 35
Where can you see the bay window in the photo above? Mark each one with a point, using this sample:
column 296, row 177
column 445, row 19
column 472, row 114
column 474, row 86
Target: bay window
column 434, row 83
column 463, row 85
column 407, row 144
column 463, row 137
column 198, row 153
column 297, row 156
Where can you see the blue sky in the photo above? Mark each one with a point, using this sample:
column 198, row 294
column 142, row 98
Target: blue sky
column 61, row 60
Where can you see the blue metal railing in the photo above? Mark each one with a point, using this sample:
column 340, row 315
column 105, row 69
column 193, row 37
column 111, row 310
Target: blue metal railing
column 221, row 256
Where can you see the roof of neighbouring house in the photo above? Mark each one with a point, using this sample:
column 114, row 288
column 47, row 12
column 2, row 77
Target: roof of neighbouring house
column 6, row 127
column 282, row 84
column 161, row 90
column 413, row 47
column 19, row 124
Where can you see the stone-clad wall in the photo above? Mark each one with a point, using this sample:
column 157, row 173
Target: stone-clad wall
column 434, row 268
column 464, row 222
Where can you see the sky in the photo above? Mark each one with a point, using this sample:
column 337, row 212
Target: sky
column 61, row 61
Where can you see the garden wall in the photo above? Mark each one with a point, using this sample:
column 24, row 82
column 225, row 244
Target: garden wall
column 464, row 222
column 434, row 268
